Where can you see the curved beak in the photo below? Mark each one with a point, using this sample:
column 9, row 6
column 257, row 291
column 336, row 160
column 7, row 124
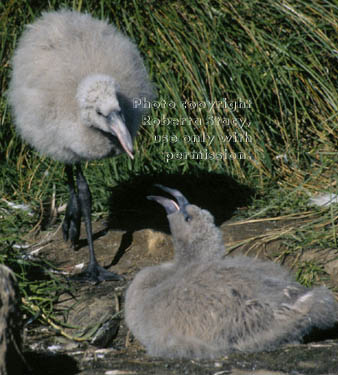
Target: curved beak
column 181, row 199
column 118, row 128
column 170, row 205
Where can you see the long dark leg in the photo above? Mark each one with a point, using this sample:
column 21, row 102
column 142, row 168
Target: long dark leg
column 94, row 272
column 72, row 222
column 85, row 199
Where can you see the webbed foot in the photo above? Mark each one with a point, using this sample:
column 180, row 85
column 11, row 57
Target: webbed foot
column 95, row 273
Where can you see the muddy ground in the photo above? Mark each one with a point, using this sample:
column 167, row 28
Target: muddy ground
column 131, row 239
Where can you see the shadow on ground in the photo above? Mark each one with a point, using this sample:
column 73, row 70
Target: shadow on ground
column 51, row 364
column 131, row 211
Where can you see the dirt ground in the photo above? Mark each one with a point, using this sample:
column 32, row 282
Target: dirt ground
column 126, row 242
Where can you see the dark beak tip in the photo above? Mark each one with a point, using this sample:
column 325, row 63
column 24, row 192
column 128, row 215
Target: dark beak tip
column 180, row 198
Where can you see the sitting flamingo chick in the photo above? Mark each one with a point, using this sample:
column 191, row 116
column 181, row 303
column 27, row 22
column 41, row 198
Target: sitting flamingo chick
column 202, row 305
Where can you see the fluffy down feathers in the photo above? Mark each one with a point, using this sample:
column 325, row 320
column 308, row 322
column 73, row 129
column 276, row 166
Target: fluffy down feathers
column 202, row 305
column 53, row 56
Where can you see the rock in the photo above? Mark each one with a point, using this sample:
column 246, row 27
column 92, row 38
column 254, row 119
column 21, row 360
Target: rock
column 11, row 358
column 93, row 313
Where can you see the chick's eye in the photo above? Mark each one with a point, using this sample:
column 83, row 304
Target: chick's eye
column 99, row 112
column 187, row 218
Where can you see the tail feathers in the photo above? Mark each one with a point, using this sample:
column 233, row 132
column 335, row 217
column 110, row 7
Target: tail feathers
column 318, row 306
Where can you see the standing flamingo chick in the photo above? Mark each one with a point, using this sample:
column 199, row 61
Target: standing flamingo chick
column 76, row 93
column 202, row 305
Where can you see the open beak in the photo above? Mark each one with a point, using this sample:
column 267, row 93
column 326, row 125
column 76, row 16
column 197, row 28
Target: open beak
column 118, row 128
column 170, row 205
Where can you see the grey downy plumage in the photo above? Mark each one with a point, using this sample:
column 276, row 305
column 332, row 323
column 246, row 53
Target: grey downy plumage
column 205, row 305
column 77, row 89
